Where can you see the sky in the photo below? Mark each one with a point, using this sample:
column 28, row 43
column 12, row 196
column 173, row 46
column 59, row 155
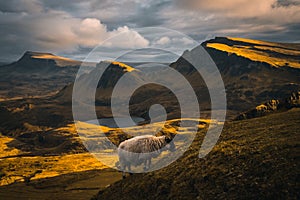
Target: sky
column 74, row 28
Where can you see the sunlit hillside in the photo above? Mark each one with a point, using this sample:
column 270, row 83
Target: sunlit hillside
column 275, row 54
column 60, row 61
column 125, row 67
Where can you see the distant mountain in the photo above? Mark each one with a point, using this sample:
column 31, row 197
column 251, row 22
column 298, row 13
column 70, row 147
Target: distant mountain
column 37, row 73
column 49, row 58
column 36, row 62
column 3, row 63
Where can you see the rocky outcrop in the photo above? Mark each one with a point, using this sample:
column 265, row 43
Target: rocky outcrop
column 272, row 106
column 293, row 100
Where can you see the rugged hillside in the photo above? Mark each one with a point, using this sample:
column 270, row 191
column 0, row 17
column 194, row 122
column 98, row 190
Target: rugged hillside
column 251, row 79
column 142, row 99
column 272, row 53
column 36, row 74
column 253, row 72
column 105, row 86
column 254, row 159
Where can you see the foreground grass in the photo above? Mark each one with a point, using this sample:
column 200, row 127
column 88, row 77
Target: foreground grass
column 254, row 159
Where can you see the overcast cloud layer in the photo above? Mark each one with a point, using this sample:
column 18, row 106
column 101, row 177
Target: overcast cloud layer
column 73, row 28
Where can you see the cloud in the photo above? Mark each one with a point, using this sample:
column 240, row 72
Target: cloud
column 270, row 10
column 163, row 41
column 74, row 27
column 92, row 32
column 234, row 8
column 58, row 31
column 123, row 37
column 203, row 19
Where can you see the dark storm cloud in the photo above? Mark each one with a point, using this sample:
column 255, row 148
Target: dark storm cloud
column 73, row 28
column 132, row 13
column 288, row 2
column 149, row 15
column 29, row 6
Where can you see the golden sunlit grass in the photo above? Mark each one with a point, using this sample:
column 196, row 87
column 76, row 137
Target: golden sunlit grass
column 251, row 41
column 89, row 130
column 125, row 67
column 21, row 109
column 86, row 129
column 279, row 50
column 254, row 55
column 17, row 169
column 61, row 61
column 261, row 107
column 4, row 149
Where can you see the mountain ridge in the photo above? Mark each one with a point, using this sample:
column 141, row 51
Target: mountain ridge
column 275, row 54
column 247, row 85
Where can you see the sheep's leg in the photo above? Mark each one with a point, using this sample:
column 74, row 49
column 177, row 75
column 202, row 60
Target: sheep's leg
column 147, row 164
column 123, row 168
column 129, row 169
column 123, row 175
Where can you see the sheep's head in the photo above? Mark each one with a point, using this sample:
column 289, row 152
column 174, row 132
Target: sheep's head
column 170, row 144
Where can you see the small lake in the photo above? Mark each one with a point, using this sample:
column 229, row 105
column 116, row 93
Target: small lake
column 110, row 122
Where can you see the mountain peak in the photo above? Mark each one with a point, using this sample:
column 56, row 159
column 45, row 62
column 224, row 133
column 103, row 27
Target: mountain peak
column 35, row 53
column 49, row 57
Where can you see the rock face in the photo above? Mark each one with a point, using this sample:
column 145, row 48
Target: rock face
column 260, row 110
column 271, row 106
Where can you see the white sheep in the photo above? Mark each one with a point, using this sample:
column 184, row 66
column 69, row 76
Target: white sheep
column 141, row 149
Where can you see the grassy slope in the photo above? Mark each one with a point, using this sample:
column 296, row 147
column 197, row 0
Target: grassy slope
column 73, row 176
column 79, row 186
column 254, row 159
